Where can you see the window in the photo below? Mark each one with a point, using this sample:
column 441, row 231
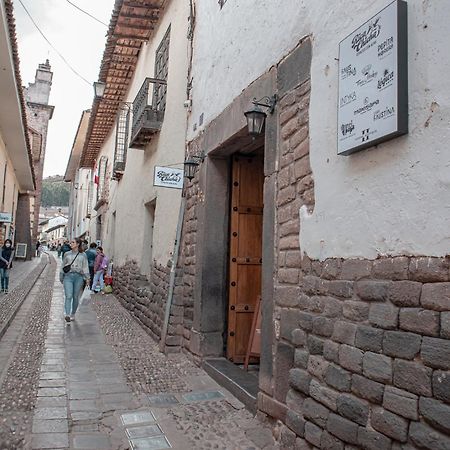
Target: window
column 120, row 151
column 101, row 188
column 161, row 72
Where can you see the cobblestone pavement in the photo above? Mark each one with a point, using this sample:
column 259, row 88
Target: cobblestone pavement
column 21, row 349
column 104, row 385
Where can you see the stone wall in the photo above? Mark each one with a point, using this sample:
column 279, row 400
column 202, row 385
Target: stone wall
column 144, row 298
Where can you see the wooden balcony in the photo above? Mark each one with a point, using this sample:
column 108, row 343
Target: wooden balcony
column 148, row 112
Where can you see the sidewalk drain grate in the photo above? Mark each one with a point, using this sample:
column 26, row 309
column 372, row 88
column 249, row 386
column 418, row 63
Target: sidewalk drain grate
column 201, row 396
column 155, row 443
column 145, row 431
column 163, row 400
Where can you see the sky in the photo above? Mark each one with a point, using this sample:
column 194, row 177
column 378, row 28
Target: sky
column 81, row 41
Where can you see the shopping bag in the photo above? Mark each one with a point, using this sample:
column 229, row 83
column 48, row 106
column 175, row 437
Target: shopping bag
column 85, row 295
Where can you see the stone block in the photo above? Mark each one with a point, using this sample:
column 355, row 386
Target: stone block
column 298, row 337
column 428, row 270
column 296, row 423
column 329, row 442
column 350, row 358
column 373, row 291
column 331, row 351
column 331, row 269
column 317, row 366
column 283, row 364
column 369, row 339
column 353, row 408
column 401, row 344
column 332, row 308
column 301, row 358
column 342, row 428
column 405, row 293
column 391, row 268
column 338, row 378
column 384, row 315
column 426, row 437
column 312, row 285
column 287, row 296
column 272, row 407
column 422, row 321
column 302, row 444
column 299, row 379
column 313, row 433
column 315, row 412
column 323, row 326
column 389, row 424
column 315, row 345
column 287, row 437
column 436, row 413
column 436, row 296
column 323, row 394
column 445, row 325
column 377, row 367
column 344, row 332
column 368, row 389
column 341, row 288
column 355, row 269
column 372, row 440
column 436, row 353
column 355, row 311
column 413, row 377
column 401, row 402
column 441, row 385
column 294, row 401
column 305, row 320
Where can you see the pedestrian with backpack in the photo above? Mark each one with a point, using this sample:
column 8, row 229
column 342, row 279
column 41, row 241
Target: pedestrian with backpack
column 6, row 257
column 100, row 267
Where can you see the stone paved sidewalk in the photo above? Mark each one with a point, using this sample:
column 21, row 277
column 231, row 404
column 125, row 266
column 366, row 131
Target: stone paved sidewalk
column 105, row 385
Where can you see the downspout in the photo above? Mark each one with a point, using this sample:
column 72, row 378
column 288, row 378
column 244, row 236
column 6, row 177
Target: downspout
column 174, row 261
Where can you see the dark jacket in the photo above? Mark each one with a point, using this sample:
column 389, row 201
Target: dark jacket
column 6, row 254
column 91, row 255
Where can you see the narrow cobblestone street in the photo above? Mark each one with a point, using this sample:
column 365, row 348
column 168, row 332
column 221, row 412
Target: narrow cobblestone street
column 103, row 384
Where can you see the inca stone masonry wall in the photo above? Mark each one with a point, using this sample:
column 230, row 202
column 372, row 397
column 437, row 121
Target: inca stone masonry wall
column 145, row 299
column 362, row 350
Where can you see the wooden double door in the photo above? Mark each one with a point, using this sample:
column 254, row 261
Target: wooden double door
column 245, row 251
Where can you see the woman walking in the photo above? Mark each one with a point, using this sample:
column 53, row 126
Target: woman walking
column 74, row 274
column 6, row 257
column 100, row 265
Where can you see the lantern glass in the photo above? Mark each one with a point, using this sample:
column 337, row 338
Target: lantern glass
column 255, row 121
column 99, row 89
column 190, row 167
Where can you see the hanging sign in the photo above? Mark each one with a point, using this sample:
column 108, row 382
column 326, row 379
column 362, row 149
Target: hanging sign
column 168, row 177
column 5, row 217
column 373, row 81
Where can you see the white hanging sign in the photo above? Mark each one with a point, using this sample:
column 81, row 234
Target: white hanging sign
column 5, row 217
column 373, row 81
column 168, row 177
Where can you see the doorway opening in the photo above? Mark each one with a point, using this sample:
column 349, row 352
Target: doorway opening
column 147, row 252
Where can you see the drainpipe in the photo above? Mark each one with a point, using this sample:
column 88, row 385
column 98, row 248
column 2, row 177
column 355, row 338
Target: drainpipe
column 176, row 250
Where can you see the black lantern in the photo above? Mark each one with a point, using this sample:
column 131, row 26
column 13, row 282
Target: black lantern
column 191, row 165
column 99, row 89
column 256, row 117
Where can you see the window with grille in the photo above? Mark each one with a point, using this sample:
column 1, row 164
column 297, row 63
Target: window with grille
column 101, row 189
column 161, row 72
column 90, row 198
column 122, row 129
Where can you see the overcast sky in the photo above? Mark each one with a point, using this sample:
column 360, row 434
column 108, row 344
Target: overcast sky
column 81, row 41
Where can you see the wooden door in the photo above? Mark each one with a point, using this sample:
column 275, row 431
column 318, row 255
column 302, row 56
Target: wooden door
column 245, row 251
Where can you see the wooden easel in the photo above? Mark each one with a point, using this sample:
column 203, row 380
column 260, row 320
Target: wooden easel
column 254, row 342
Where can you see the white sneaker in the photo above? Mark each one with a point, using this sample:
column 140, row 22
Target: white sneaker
column 72, row 318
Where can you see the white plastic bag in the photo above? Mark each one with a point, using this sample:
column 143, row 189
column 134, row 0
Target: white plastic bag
column 85, row 295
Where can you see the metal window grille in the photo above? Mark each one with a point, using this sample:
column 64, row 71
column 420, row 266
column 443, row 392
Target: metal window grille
column 122, row 130
column 161, row 72
column 101, row 189
column 90, row 198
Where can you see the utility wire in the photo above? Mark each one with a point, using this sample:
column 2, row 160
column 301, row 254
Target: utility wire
column 85, row 12
column 51, row 45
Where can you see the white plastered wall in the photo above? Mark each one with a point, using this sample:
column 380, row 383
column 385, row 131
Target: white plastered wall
column 128, row 197
column 392, row 200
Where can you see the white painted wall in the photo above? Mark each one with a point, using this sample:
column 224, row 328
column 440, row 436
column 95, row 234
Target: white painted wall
column 391, row 200
column 127, row 198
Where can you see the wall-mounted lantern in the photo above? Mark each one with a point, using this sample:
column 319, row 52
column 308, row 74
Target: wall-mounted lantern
column 99, row 89
column 191, row 165
column 256, row 117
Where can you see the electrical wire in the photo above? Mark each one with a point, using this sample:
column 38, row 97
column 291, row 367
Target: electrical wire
column 51, row 45
column 85, row 12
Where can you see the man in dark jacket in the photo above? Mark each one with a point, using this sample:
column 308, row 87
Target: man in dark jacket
column 91, row 255
column 65, row 248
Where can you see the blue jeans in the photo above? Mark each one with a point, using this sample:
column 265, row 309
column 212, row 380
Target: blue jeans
column 98, row 279
column 4, row 276
column 73, row 286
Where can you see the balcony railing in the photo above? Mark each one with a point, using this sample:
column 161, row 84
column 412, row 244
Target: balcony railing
column 148, row 112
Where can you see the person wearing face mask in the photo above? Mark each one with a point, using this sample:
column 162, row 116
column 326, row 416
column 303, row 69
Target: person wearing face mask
column 6, row 257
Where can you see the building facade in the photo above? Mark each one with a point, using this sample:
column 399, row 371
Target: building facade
column 345, row 256
column 16, row 166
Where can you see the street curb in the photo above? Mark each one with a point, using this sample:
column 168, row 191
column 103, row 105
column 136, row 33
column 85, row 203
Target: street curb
column 7, row 323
